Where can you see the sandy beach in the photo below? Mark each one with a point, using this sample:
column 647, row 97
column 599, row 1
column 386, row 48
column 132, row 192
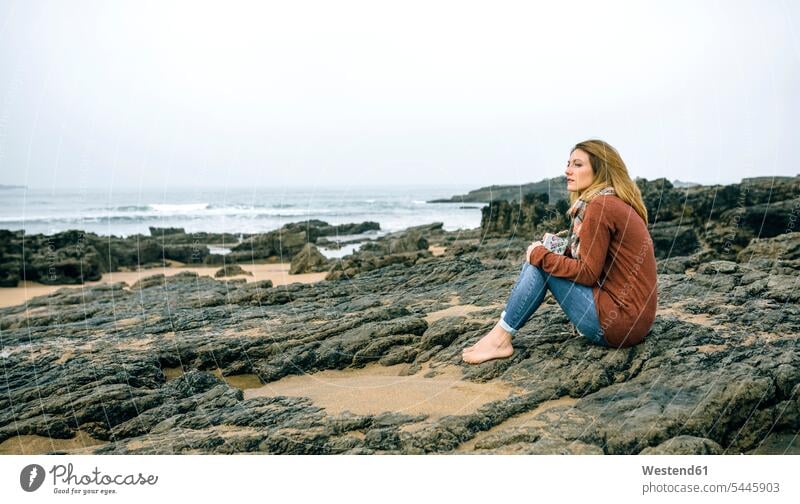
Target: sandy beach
column 277, row 272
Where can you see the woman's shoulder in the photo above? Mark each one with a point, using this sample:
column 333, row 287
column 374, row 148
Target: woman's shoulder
column 610, row 208
column 604, row 198
column 608, row 202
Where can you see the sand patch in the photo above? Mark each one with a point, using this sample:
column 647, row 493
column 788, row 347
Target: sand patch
column 711, row 348
column 25, row 290
column 376, row 389
column 67, row 355
column 437, row 250
column 136, row 345
column 38, row 445
column 249, row 332
column 277, row 272
column 695, row 318
column 127, row 322
column 760, row 337
column 453, row 311
column 537, row 418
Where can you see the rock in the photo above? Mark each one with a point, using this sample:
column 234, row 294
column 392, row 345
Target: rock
column 785, row 246
column 685, row 445
column 283, row 244
column 149, row 281
column 231, row 270
column 554, row 189
column 670, row 238
column 308, row 260
column 444, row 331
column 717, row 267
column 74, row 257
column 461, row 248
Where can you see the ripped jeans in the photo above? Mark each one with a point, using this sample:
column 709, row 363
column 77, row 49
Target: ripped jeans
column 575, row 299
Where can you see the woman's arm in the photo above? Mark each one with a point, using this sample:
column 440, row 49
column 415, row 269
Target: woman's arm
column 594, row 241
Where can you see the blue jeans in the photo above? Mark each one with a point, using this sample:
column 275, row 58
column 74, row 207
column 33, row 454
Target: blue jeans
column 575, row 299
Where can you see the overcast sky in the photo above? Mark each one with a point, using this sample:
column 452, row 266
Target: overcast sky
column 125, row 94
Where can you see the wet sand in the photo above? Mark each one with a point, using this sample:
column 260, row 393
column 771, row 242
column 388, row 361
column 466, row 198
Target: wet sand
column 38, row 445
column 277, row 272
column 437, row 250
column 376, row 389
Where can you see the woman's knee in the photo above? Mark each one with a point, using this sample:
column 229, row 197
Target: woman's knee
column 532, row 273
column 528, row 267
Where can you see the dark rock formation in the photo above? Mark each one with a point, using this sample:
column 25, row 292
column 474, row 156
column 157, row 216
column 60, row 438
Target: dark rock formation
column 309, row 259
column 785, row 246
column 177, row 236
column 74, row 257
column 682, row 220
column 685, row 445
column 554, row 189
column 284, row 243
column 231, row 270
column 405, row 248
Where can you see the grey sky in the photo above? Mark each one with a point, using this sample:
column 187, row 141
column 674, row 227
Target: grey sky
column 118, row 94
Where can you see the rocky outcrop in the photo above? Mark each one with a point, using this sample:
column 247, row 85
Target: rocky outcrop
column 554, row 189
column 231, row 270
column 404, row 248
column 721, row 219
column 283, row 244
column 785, row 246
column 308, row 260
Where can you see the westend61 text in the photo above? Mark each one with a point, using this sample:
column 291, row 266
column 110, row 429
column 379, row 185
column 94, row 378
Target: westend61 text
column 675, row 471
column 65, row 472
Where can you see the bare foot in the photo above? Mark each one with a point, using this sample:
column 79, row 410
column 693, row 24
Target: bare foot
column 495, row 345
column 494, row 331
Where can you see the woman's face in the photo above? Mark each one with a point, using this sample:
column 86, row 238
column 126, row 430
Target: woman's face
column 579, row 172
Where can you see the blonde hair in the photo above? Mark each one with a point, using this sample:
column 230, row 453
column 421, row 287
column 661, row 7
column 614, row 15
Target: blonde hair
column 609, row 170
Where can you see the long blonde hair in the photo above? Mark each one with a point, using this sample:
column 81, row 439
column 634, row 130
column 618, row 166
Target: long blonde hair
column 609, row 169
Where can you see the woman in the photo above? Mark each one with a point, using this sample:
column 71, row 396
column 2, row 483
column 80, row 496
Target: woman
column 606, row 280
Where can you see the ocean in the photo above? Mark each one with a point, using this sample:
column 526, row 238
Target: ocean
column 242, row 210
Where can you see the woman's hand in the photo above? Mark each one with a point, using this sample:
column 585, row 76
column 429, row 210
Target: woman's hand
column 530, row 249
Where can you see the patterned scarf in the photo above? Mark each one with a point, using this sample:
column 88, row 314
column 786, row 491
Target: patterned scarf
column 576, row 211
